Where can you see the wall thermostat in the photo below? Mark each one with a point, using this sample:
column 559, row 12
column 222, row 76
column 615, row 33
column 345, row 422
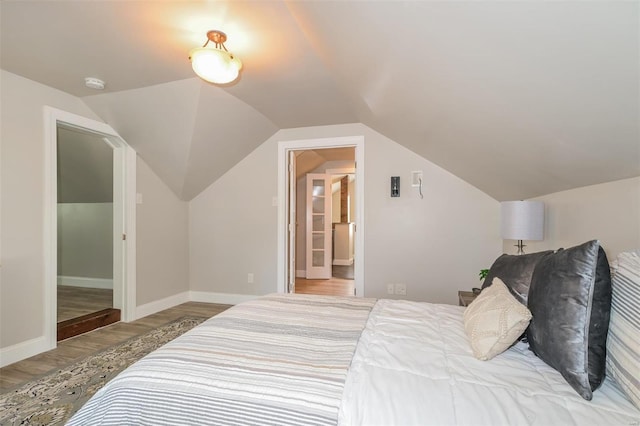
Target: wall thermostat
column 395, row 186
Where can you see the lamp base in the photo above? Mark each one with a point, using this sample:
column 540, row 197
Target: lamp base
column 520, row 246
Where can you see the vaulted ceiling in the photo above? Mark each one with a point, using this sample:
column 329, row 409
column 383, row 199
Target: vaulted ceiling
column 517, row 98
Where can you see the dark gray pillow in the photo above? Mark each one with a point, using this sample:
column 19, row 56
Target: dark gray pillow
column 570, row 301
column 515, row 271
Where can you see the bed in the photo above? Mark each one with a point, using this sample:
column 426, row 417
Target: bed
column 316, row 360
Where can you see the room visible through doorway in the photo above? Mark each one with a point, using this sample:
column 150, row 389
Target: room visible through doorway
column 325, row 201
column 85, row 232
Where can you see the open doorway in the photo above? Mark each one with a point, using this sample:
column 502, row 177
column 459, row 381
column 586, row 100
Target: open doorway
column 85, row 212
column 290, row 260
column 123, row 232
column 325, row 221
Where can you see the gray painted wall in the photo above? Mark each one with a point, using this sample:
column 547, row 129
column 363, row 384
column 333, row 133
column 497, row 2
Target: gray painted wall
column 161, row 234
column 85, row 240
column 609, row 212
column 162, row 239
column 22, row 211
column 434, row 245
column 85, row 167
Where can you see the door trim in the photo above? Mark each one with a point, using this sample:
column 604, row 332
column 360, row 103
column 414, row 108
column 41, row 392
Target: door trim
column 306, row 144
column 125, row 175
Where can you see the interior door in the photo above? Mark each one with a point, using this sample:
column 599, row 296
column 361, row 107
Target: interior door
column 318, row 226
column 291, row 223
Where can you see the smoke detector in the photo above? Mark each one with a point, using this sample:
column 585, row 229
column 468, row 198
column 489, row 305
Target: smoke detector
column 94, row 83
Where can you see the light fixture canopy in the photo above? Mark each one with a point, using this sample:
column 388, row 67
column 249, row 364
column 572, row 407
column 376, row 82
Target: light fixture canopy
column 522, row 220
column 215, row 64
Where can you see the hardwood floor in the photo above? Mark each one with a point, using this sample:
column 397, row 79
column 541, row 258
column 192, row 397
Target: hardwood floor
column 330, row 287
column 76, row 348
column 75, row 302
column 340, row 284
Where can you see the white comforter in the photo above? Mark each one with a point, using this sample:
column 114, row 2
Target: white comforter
column 413, row 366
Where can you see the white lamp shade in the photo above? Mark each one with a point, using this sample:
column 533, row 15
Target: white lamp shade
column 215, row 65
column 522, row 220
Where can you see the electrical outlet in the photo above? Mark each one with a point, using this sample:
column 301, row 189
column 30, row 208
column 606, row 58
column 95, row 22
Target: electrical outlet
column 390, row 289
column 401, row 289
column 250, row 278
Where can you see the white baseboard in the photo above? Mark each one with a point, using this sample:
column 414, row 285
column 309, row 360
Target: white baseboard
column 301, row 273
column 343, row 262
column 223, row 298
column 23, row 350
column 105, row 283
column 162, row 304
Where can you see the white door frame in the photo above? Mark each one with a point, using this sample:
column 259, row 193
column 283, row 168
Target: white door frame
column 308, row 144
column 124, row 220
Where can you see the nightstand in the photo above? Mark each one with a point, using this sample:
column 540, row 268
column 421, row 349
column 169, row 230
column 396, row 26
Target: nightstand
column 466, row 297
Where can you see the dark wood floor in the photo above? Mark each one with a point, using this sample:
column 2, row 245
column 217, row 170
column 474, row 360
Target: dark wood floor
column 76, row 348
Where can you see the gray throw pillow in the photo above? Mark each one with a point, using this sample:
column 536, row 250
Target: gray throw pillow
column 515, row 271
column 570, row 301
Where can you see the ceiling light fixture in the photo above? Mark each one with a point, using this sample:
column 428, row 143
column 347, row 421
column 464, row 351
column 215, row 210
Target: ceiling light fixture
column 215, row 64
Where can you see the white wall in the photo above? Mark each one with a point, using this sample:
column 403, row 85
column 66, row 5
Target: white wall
column 435, row 245
column 162, row 239
column 609, row 212
column 85, row 240
column 22, row 189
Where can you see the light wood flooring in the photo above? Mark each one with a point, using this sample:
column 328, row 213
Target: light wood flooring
column 340, row 284
column 76, row 348
column 330, row 287
column 75, row 302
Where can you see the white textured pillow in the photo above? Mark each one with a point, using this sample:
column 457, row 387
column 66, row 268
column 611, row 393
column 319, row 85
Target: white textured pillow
column 623, row 343
column 494, row 321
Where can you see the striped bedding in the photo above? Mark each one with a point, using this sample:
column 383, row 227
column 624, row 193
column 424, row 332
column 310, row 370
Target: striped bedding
column 278, row 360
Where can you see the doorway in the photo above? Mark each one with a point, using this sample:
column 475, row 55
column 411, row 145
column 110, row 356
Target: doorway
column 340, row 162
column 85, row 211
column 325, row 221
column 121, row 212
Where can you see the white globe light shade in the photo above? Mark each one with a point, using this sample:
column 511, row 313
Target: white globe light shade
column 215, row 65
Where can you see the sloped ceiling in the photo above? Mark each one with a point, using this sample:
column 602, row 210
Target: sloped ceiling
column 520, row 99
